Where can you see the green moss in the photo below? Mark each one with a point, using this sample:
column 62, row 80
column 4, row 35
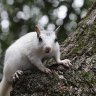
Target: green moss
column 79, row 47
column 94, row 49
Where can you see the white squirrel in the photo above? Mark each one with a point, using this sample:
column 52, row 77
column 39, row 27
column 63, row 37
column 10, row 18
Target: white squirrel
column 29, row 50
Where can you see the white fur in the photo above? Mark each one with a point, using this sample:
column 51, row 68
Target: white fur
column 27, row 51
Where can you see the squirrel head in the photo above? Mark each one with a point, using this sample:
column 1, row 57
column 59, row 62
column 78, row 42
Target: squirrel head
column 47, row 40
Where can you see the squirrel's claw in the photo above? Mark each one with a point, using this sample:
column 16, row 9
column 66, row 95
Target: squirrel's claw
column 66, row 62
column 48, row 71
column 17, row 74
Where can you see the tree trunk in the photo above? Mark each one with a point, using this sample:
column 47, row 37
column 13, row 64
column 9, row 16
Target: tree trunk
column 80, row 79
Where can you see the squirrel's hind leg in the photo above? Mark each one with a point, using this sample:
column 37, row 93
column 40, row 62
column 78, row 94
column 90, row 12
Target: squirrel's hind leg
column 5, row 87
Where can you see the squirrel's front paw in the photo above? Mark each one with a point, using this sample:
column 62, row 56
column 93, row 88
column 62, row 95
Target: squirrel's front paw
column 47, row 70
column 66, row 62
column 17, row 74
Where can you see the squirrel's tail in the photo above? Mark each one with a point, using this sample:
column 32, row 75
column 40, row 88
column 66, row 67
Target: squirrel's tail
column 5, row 88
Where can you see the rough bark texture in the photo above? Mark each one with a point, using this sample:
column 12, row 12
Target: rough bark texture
column 80, row 79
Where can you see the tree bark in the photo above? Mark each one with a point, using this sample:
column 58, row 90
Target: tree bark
column 78, row 80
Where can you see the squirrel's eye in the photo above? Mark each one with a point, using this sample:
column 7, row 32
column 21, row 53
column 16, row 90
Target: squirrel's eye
column 40, row 39
column 55, row 40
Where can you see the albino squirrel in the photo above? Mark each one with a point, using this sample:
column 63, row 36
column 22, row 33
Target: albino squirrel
column 29, row 50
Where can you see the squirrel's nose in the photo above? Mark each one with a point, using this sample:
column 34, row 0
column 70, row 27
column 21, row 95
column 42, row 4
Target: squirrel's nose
column 47, row 50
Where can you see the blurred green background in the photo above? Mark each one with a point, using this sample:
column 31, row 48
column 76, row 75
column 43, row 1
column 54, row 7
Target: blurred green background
column 18, row 17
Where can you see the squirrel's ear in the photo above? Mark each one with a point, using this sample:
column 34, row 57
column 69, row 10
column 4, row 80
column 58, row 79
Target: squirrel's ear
column 37, row 30
column 57, row 30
